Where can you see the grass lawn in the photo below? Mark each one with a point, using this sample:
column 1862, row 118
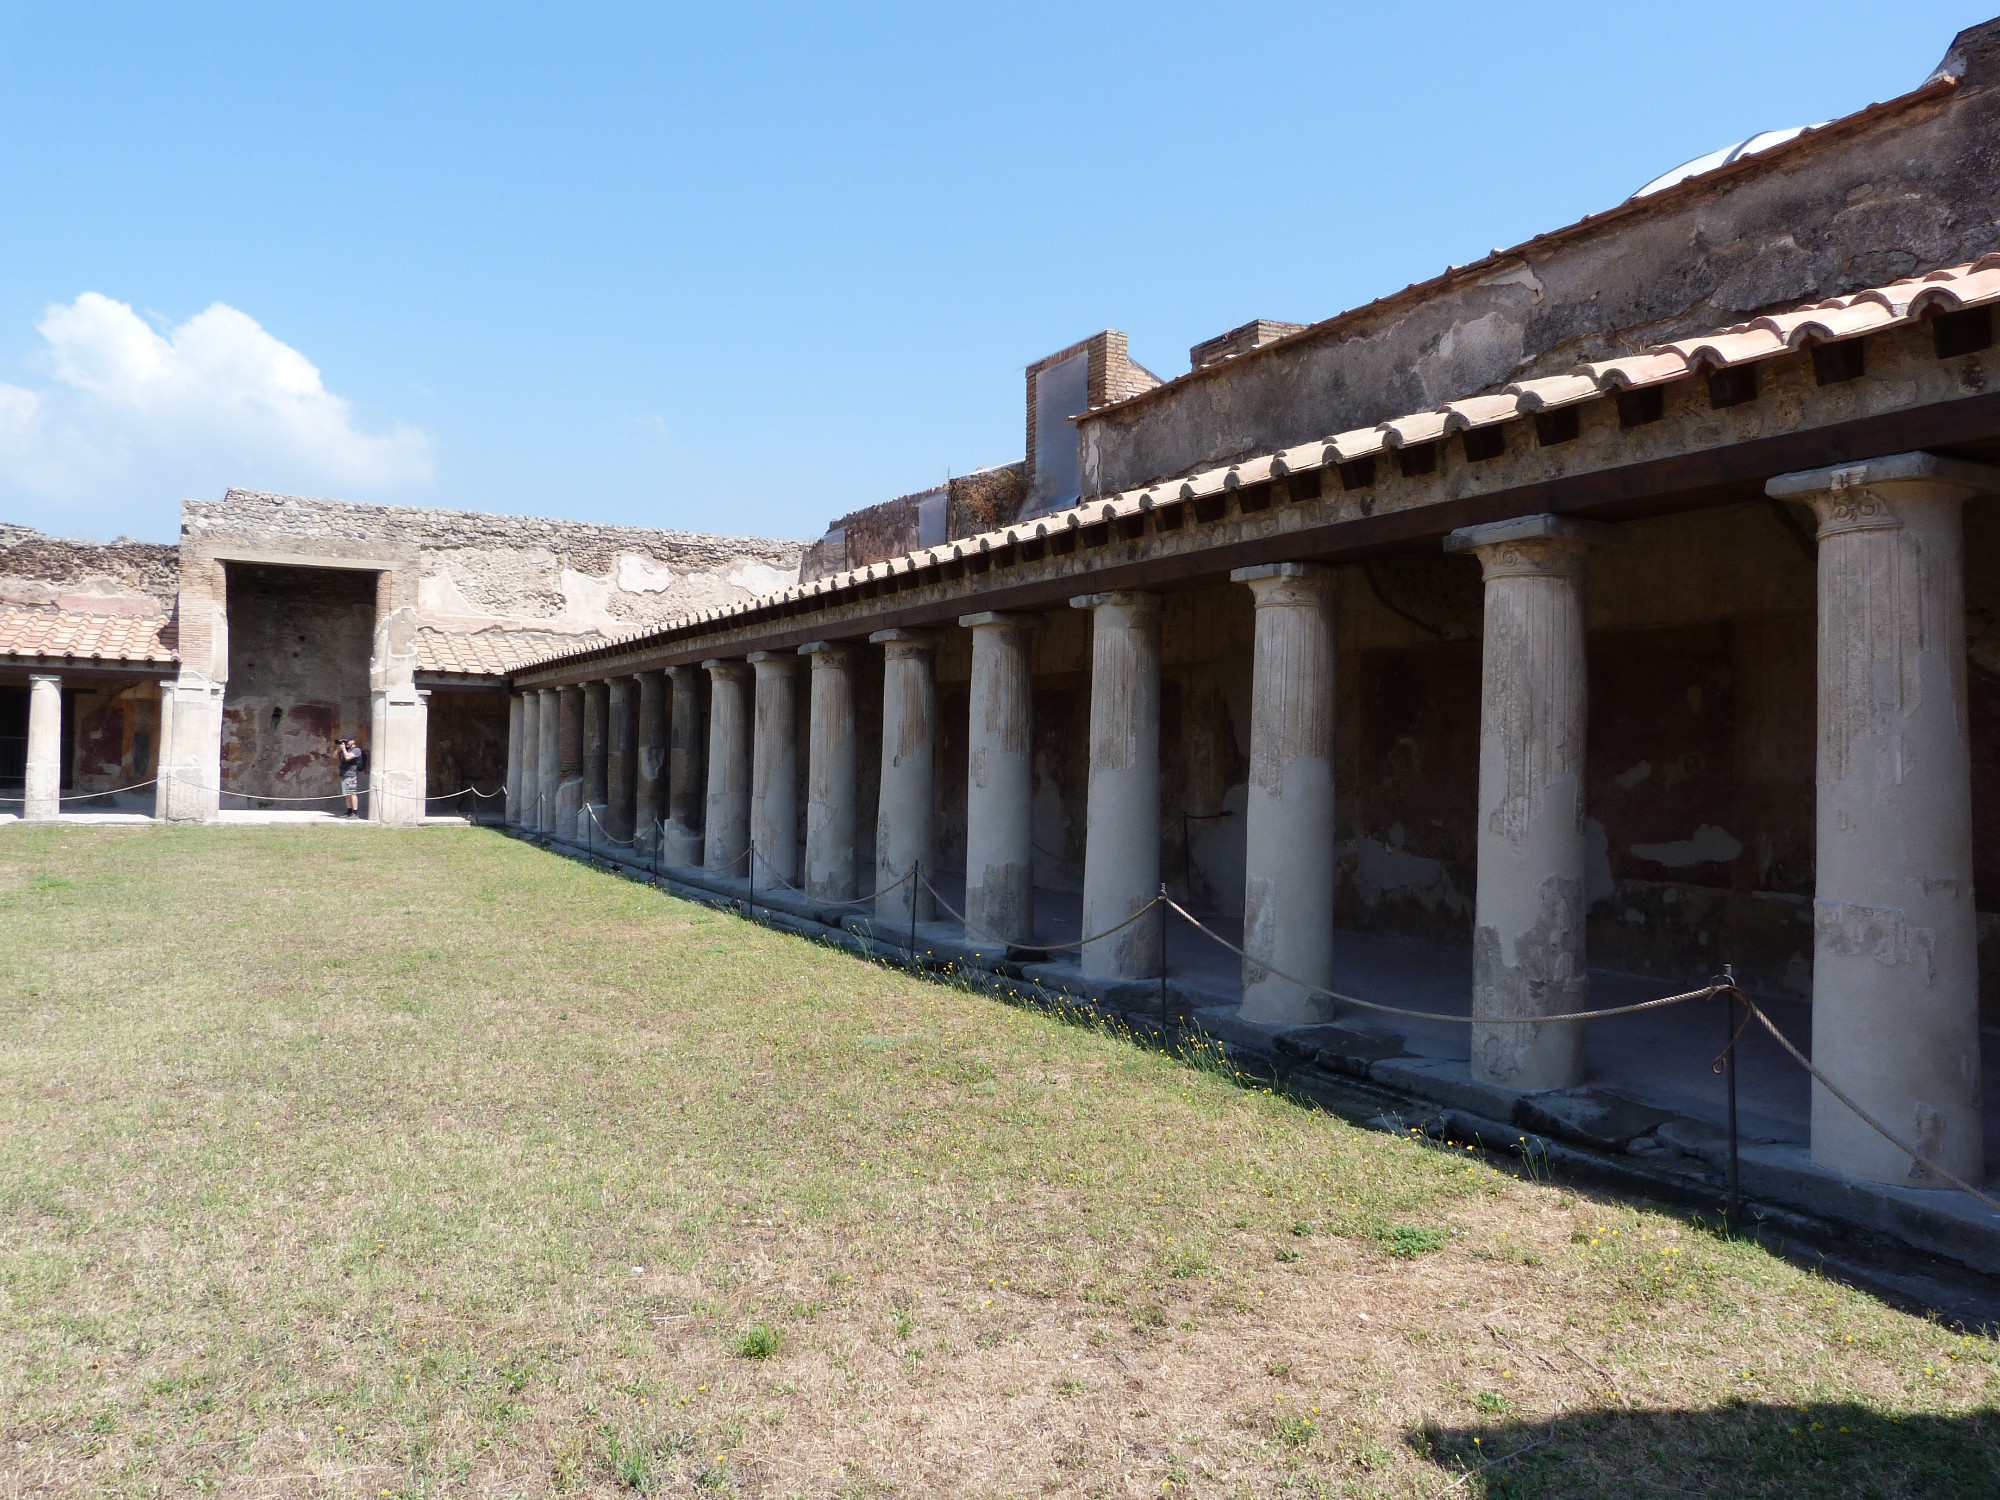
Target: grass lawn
column 358, row 1162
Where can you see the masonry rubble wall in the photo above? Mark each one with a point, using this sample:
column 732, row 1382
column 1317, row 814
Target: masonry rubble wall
column 1875, row 197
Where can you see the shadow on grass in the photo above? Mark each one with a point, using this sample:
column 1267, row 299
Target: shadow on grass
column 1743, row 1449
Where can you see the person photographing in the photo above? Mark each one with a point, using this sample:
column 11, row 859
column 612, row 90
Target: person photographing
column 351, row 759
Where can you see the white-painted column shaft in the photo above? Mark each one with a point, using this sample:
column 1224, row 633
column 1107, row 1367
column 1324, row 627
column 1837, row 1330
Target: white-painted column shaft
column 569, row 758
column 1895, row 1008
column 621, row 754
column 44, row 789
column 549, row 761
column 1528, row 924
column 528, row 809
column 596, row 742
column 687, row 788
column 730, row 717
column 649, row 778
column 1121, row 848
column 774, row 770
column 1000, row 781
column 1289, row 830
column 832, row 768
column 512, row 806
column 906, row 819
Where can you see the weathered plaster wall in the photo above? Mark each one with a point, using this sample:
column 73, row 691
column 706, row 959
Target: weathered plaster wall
column 300, row 642
column 1860, row 206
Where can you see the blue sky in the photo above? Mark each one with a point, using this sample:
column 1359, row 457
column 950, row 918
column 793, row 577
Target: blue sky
column 742, row 268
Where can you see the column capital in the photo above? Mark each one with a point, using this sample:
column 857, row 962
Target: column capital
column 1120, row 598
column 905, row 642
column 1869, row 496
column 682, row 671
column 829, row 651
column 725, row 669
column 1290, row 583
column 34, row 677
column 774, row 663
column 998, row 617
column 1543, row 528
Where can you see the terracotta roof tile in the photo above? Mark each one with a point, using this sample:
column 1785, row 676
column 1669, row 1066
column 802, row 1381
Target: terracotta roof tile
column 46, row 631
column 1484, row 411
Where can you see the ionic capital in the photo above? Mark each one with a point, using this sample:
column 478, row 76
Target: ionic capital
column 1875, row 495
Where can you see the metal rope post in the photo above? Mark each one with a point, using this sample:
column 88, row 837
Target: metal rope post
column 916, row 886
column 1729, row 1072
column 1163, row 945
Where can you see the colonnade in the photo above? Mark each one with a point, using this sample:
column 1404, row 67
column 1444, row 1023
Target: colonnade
column 1895, row 986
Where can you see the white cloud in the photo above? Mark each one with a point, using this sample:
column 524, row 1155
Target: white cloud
column 216, row 399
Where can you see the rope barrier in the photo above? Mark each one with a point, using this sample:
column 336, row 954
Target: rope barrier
column 1861, row 1114
column 1040, row 947
column 1709, row 993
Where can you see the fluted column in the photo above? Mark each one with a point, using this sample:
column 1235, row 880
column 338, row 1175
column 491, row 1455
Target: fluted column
column 1528, row 922
column 906, row 822
column 832, row 768
column 44, row 789
column 621, row 754
column 649, row 776
column 1895, row 1008
column 569, row 760
column 511, row 808
column 527, row 811
column 774, row 770
column 1000, row 781
column 591, row 815
column 729, row 735
column 687, row 796
column 1121, row 850
column 1289, row 830
column 550, row 760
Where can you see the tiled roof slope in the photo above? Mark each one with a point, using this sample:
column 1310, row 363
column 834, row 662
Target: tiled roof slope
column 1951, row 289
column 47, row 632
column 496, row 652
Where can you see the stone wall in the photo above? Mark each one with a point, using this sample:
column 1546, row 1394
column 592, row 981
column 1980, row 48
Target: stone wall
column 483, row 572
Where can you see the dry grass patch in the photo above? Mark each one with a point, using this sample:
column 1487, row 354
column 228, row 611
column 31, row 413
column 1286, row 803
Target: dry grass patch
column 354, row 1162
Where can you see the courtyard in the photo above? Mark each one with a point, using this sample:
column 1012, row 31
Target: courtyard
column 364, row 1161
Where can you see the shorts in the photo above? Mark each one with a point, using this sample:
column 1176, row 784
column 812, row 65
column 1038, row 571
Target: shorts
column 350, row 783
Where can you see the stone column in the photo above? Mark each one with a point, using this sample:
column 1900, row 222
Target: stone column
column 1289, row 831
column 596, row 743
column 1895, row 1007
column 1000, row 781
column 1121, row 848
column 832, row 759
column 727, row 823
column 687, row 797
column 44, row 791
column 529, row 807
column 774, row 770
column 163, row 755
column 621, row 755
column 1528, row 924
column 906, row 820
column 512, row 805
column 569, row 759
column 549, row 761
column 191, row 703
column 649, row 778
